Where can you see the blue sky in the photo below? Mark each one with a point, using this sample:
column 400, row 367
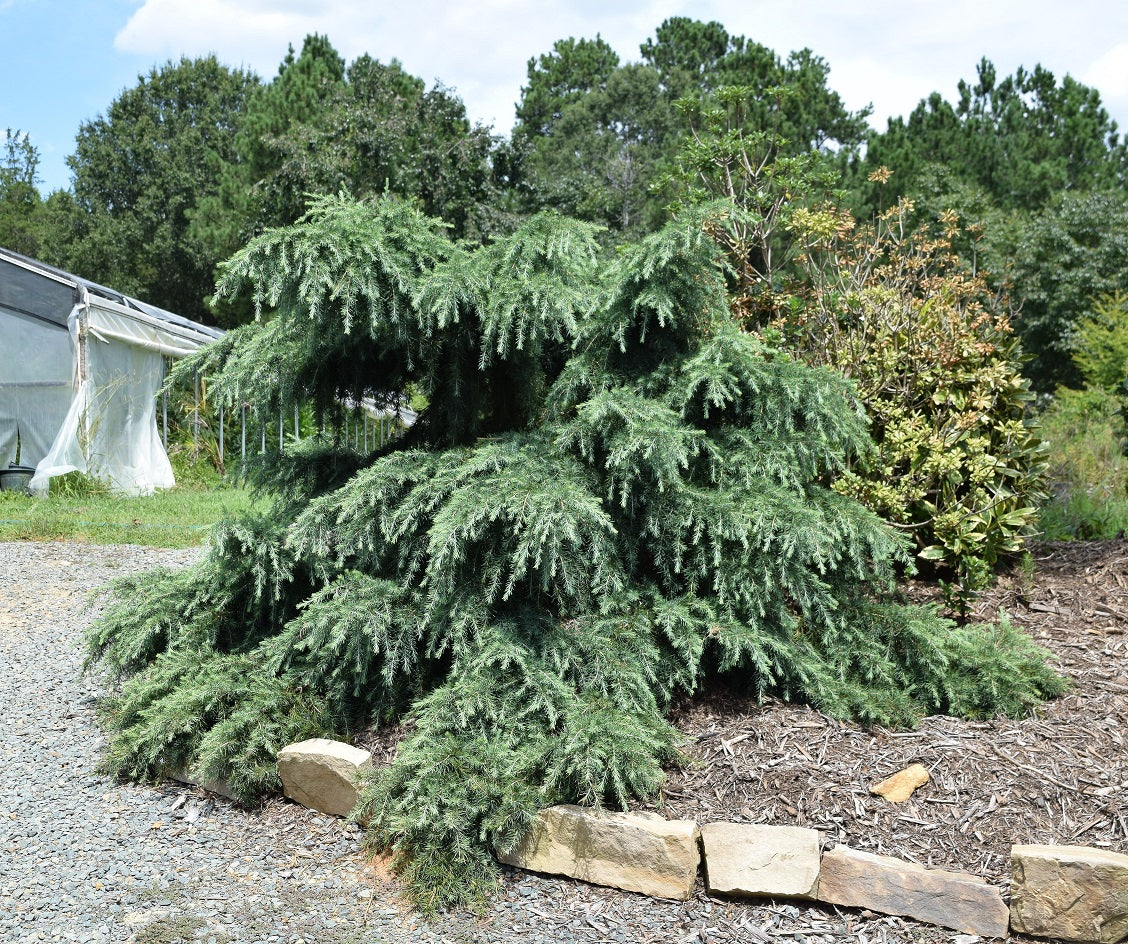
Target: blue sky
column 64, row 61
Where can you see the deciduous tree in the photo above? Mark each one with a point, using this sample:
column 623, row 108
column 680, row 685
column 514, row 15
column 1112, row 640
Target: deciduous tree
column 1066, row 258
column 139, row 172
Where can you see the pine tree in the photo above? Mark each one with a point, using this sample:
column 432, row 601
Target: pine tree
column 21, row 207
column 612, row 496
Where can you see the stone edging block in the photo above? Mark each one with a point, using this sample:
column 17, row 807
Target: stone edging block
column 321, row 774
column 893, row 886
column 768, row 861
column 1072, row 893
column 638, row 852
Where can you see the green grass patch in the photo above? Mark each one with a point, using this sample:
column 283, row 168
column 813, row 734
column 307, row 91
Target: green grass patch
column 1081, row 517
column 1088, row 476
column 77, row 511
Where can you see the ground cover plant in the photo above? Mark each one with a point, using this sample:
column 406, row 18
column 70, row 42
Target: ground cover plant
column 613, row 496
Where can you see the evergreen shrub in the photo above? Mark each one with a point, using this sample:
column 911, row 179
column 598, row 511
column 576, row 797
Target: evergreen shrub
column 613, row 494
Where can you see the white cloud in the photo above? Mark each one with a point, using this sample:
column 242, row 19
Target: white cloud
column 248, row 32
column 1110, row 73
column 863, row 81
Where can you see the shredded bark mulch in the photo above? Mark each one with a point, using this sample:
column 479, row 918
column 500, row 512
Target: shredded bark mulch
column 1059, row 776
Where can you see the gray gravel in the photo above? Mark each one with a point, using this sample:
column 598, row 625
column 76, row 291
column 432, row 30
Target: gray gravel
column 85, row 859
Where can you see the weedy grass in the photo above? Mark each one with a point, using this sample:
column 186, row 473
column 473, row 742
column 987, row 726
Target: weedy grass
column 80, row 510
column 1088, row 466
column 173, row 931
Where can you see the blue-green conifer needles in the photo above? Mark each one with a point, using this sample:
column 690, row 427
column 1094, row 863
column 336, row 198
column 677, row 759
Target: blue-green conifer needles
column 612, row 495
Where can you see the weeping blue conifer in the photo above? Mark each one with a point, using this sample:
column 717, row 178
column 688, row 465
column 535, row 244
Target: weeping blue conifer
column 613, row 496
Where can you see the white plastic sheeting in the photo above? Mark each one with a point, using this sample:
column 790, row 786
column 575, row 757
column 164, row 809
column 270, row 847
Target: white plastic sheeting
column 80, row 370
column 110, row 430
column 36, row 368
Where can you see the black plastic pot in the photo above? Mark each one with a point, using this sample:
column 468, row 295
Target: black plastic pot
column 15, row 478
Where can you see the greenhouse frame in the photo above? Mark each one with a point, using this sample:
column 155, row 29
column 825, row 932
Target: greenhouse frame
column 80, row 369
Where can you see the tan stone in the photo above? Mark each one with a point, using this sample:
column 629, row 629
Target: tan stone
column 1072, row 893
column 638, row 852
column 892, row 886
column 321, row 774
column 899, row 787
column 774, row 861
column 212, row 786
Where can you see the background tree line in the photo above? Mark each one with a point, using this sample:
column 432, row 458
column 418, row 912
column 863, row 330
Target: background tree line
column 1014, row 191
column 196, row 158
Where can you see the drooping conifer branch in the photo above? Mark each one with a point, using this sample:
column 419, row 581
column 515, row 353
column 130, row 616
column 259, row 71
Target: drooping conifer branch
column 613, row 496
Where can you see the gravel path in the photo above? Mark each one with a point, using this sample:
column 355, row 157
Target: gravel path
column 85, row 859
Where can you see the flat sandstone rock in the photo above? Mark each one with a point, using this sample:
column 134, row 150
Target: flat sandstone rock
column 899, row 787
column 321, row 774
column 1072, row 893
column 892, row 886
column 771, row 861
column 638, row 852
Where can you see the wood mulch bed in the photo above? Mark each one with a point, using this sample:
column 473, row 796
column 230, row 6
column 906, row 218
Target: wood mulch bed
column 1057, row 777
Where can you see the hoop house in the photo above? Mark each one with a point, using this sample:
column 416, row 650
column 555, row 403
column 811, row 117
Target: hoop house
column 80, row 367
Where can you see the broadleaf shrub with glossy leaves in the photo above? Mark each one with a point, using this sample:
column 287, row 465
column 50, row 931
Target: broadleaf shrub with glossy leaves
column 959, row 464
